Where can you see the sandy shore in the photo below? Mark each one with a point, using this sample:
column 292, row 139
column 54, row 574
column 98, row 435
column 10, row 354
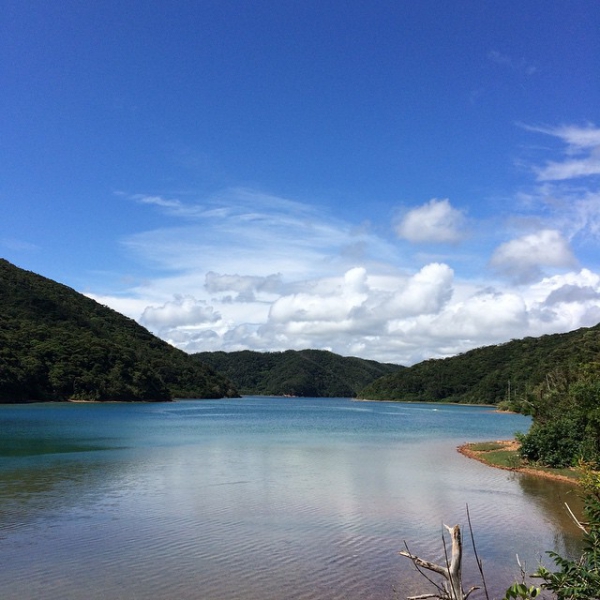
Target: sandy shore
column 510, row 445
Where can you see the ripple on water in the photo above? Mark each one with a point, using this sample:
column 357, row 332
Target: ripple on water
column 306, row 500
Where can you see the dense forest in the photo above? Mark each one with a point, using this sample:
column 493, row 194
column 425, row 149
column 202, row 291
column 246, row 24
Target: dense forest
column 296, row 372
column 56, row 344
column 491, row 374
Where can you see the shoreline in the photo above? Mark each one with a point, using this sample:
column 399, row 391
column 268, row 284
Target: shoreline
column 469, row 451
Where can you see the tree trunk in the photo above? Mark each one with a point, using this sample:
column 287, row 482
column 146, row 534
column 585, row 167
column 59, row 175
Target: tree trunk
column 452, row 586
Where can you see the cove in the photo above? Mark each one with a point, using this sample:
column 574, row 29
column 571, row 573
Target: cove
column 258, row 498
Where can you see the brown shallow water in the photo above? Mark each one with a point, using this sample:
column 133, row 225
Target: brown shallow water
column 258, row 499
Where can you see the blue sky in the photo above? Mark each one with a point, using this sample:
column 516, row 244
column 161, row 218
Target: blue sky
column 390, row 180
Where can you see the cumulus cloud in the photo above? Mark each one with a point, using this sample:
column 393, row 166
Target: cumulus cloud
column 183, row 310
column 572, row 294
column 247, row 270
column 398, row 317
column 490, row 311
column 424, row 293
column 436, row 221
column 330, row 302
column 523, row 259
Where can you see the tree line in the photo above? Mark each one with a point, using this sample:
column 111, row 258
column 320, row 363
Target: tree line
column 307, row 373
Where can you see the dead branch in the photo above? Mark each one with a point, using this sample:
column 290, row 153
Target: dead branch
column 477, row 559
column 452, row 589
column 577, row 521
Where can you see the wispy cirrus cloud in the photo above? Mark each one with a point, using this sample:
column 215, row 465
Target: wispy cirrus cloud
column 581, row 157
column 520, row 65
column 242, row 269
column 21, row 245
column 157, row 201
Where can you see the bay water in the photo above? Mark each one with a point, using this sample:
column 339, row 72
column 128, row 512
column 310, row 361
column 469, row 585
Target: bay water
column 260, row 498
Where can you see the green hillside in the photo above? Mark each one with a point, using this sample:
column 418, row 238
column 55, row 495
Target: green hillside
column 56, row 344
column 491, row 374
column 296, row 373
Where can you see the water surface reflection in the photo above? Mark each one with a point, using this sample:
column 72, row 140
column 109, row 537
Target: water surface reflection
column 258, row 498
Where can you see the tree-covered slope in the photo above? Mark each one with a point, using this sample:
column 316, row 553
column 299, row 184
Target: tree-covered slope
column 296, row 373
column 491, row 374
column 56, row 344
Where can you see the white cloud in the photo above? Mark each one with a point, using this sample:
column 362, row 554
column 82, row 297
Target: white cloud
column 424, row 293
column 246, row 286
column 243, row 269
column 330, row 303
column 570, row 169
column 523, row 259
column 581, row 155
column 183, row 310
column 436, row 221
column 251, row 233
column 395, row 318
column 567, row 301
column 157, row 201
column 577, row 137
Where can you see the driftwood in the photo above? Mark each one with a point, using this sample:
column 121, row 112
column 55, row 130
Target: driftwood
column 452, row 588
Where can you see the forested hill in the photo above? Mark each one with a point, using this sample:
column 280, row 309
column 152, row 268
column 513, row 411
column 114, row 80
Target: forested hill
column 56, row 344
column 491, row 374
column 296, row 373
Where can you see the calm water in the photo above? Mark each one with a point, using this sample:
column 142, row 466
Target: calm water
column 258, row 498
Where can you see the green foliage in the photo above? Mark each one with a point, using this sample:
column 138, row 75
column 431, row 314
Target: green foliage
column 554, row 445
column 56, row 344
column 296, row 373
column 504, row 374
column 566, row 413
column 520, row 590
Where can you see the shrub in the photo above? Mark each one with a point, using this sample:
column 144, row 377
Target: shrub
column 554, row 444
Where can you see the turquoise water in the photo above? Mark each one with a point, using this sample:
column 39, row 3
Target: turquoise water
column 254, row 498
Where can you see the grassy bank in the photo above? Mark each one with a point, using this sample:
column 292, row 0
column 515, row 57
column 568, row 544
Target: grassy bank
column 504, row 454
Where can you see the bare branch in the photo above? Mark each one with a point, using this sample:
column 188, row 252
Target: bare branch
column 477, row 559
column 422, row 573
column 452, row 589
column 425, row 563
column 577, row 521
column 474, row 588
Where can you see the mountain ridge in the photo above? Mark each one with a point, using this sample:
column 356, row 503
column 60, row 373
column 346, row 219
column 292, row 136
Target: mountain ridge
column 57, row 344
column 490, row 374
column 308, row 372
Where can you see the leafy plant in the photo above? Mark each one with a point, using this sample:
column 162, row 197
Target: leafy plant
column 521, row 591
column 566, row 419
